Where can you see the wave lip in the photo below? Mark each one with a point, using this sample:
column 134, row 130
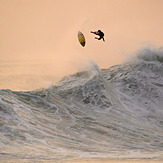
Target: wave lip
column 151, row 54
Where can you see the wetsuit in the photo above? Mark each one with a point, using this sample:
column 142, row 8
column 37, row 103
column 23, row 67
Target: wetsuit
column 99, row 33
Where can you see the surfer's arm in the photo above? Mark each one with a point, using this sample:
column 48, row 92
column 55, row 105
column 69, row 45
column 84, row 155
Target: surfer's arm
column 94, row 32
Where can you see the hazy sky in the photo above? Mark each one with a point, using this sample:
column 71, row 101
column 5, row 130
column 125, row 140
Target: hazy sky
column 45, row 31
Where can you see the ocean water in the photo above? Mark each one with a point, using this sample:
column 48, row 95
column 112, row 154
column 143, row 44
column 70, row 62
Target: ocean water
column 99, row 114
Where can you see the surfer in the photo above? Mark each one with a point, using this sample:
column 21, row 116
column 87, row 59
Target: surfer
column 99, row 33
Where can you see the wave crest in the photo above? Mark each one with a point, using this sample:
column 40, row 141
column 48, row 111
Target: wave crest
column 151, row 54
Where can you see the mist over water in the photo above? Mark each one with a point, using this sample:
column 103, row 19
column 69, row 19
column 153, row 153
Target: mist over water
column 32, row 75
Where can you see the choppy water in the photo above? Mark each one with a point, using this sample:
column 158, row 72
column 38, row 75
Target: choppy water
column 110, row 113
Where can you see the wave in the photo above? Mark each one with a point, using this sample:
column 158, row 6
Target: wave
column 109, row 113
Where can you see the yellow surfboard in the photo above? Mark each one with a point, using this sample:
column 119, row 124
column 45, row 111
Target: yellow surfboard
column 81, row 38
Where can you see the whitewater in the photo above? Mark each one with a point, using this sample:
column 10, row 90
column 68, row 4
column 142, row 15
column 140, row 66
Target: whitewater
column 97, row 114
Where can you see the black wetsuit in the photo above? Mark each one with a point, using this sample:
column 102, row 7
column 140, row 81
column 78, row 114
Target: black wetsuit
column 99, row 33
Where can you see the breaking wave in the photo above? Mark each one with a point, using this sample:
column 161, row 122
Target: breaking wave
column 109, row 113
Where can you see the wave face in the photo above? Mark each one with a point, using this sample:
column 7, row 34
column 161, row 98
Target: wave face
column 109, row 113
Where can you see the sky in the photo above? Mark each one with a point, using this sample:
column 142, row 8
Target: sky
column 39, row 37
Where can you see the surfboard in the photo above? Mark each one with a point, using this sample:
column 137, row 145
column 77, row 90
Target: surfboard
column 81, row 38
